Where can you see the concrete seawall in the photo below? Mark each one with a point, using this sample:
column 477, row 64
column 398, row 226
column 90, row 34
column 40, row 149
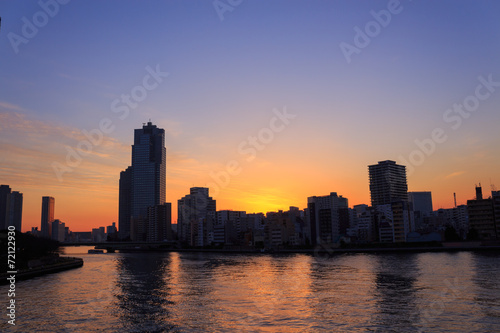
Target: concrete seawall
column 65, row 263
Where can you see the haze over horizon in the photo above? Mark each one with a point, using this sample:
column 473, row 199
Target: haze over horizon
column 220, row 88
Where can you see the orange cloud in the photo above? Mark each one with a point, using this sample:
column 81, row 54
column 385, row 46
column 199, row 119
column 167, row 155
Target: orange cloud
column 454, row 174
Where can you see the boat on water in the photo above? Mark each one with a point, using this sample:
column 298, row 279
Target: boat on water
column 94, row 251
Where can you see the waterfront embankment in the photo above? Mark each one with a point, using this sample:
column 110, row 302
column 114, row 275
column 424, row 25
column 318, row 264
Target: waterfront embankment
column 58, row 265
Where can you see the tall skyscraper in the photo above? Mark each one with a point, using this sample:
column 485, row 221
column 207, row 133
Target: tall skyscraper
column 387, row 183
column 48, row 204
column 142, row 185
column 148, row 169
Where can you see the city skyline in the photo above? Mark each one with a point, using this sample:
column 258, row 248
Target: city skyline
column 387, row 183
column 381, row 164
column 222, row 85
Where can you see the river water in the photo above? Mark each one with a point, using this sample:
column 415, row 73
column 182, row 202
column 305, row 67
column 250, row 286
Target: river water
column 213, row 292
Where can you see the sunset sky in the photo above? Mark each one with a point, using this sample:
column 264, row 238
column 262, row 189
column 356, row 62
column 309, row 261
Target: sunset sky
column 231, row 68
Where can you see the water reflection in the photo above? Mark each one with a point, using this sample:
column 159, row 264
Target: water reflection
column 276, row 290
column 207, row 292
column 340, row 290
column 194, row 297
column 396, row 292
column 242, row 293
column 144, row 297
column 487, row 291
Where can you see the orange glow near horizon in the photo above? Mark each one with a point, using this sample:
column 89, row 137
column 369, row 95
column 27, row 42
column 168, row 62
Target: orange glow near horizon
column 87, row 195
column 83, row 210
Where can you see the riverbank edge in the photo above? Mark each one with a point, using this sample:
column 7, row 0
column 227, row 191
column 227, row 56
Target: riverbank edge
column 65, row 264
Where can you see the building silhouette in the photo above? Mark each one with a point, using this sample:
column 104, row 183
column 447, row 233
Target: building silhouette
column 228, row 226
column 143, row 184
column 387, row 183
column 484, row 214
column 14, row 215
column 324, row 217
column 4, row 193
column 58, row 230
column 159, row 223
column 364, row 224
column 112, row 232
column 98, row 234
column 389, row 196
column 11, row 208
column 48, row 204
column 395, row 222
column 421, row 202
column 495, row 197
column 124, row 203
column 148, row 169
column 285, row 228
column 196, row 217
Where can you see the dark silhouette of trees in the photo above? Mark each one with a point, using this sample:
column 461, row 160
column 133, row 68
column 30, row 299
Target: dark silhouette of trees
column 27, row 247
